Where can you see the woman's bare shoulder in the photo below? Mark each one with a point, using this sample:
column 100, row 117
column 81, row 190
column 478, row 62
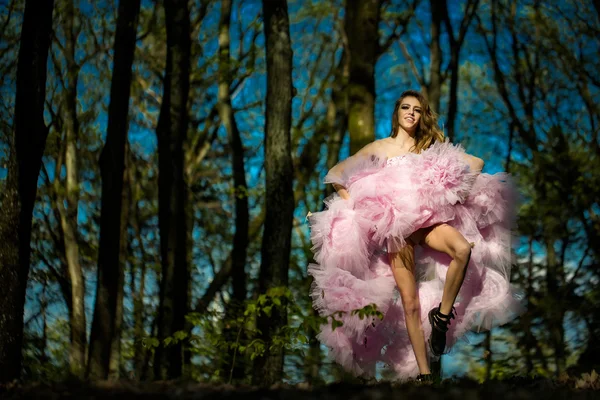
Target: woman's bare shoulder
column 379, row 146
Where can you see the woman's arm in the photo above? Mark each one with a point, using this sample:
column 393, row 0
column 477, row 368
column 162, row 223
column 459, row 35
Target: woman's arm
column 475, row 163
column 342, row 191
column 338, row 174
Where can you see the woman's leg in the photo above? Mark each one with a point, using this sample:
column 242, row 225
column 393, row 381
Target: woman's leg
column 448, row 240
column 403, row 264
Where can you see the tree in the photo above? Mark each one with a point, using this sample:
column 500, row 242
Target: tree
column 361, row 27
column 534, row 58
column 279, row 200
column 67, row 200
column 456, row 42
column 240, row 191
column 19, row 194
column 171, row 131
column 438, row 75
column 112, row 168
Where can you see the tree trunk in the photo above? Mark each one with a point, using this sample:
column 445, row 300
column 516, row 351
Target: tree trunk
column 556, row 312
column 18, row 198
column 69, row 214
column 434, row 87
column 529, row 339
column 279, row 202
column 115, row 351
column 43, row 311
column 139, row 350
column 488, row 356
column 112, row 168
column 240, row 239
column 171, row 132
column 454, row 75
column 361, row 27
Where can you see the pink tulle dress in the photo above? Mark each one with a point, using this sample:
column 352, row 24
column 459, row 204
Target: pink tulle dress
column 391, row 199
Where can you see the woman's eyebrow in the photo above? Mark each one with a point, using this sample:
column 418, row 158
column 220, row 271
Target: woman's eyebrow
column 406, row 104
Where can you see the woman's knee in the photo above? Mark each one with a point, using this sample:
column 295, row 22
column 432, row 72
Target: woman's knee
column 462, row 252
column 411, row 306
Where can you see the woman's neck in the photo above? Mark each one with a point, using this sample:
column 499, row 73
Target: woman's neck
column 403, row 139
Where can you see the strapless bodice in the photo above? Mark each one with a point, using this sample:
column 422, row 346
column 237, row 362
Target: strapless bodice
column 393, row 161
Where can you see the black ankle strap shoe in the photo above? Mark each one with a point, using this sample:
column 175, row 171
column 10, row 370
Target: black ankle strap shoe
column 424, row 378
column 439, row 326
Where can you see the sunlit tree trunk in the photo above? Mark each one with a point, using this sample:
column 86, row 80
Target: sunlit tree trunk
column 68, row 204
column 361, row 27
column 112, row 168
column 171, row 131
column 279, row 200
column 18, row 197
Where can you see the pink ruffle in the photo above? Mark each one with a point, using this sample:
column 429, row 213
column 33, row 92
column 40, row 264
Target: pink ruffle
column 390, row 201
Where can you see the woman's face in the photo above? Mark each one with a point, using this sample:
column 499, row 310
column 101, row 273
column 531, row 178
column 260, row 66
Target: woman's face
column 410, row 114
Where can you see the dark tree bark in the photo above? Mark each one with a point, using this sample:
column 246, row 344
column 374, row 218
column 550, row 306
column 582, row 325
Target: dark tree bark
column 112, row 168
column 115, row 356
column 18, row 198
column 240, row 239
column 361, row 27
column 488, row 356
column 279, row 200
column 556, row 315
column 171, row 132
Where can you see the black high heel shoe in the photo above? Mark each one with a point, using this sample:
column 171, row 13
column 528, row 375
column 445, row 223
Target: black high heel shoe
column 424, row 378
column 439, row 326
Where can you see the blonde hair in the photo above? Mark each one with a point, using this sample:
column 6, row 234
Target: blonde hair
column 428, row 131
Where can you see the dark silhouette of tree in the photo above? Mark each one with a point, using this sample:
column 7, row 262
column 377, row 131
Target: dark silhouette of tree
column 171, row 131
column 26, row 149
column 112, row 168
column 279, row 201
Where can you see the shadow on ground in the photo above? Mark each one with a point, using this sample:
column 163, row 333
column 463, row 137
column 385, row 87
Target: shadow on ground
column 514, row 389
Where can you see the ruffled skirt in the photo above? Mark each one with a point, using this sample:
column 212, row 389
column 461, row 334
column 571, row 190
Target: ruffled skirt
column 390, row 200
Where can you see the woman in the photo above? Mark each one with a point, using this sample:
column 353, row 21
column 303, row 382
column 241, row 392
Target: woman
column 416, row 211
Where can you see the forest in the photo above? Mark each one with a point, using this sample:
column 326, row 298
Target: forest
column 158, row 160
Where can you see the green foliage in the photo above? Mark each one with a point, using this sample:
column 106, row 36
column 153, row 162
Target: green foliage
column 207, row 341
column 588, row 381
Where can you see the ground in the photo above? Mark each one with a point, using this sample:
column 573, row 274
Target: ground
column 514, row 389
